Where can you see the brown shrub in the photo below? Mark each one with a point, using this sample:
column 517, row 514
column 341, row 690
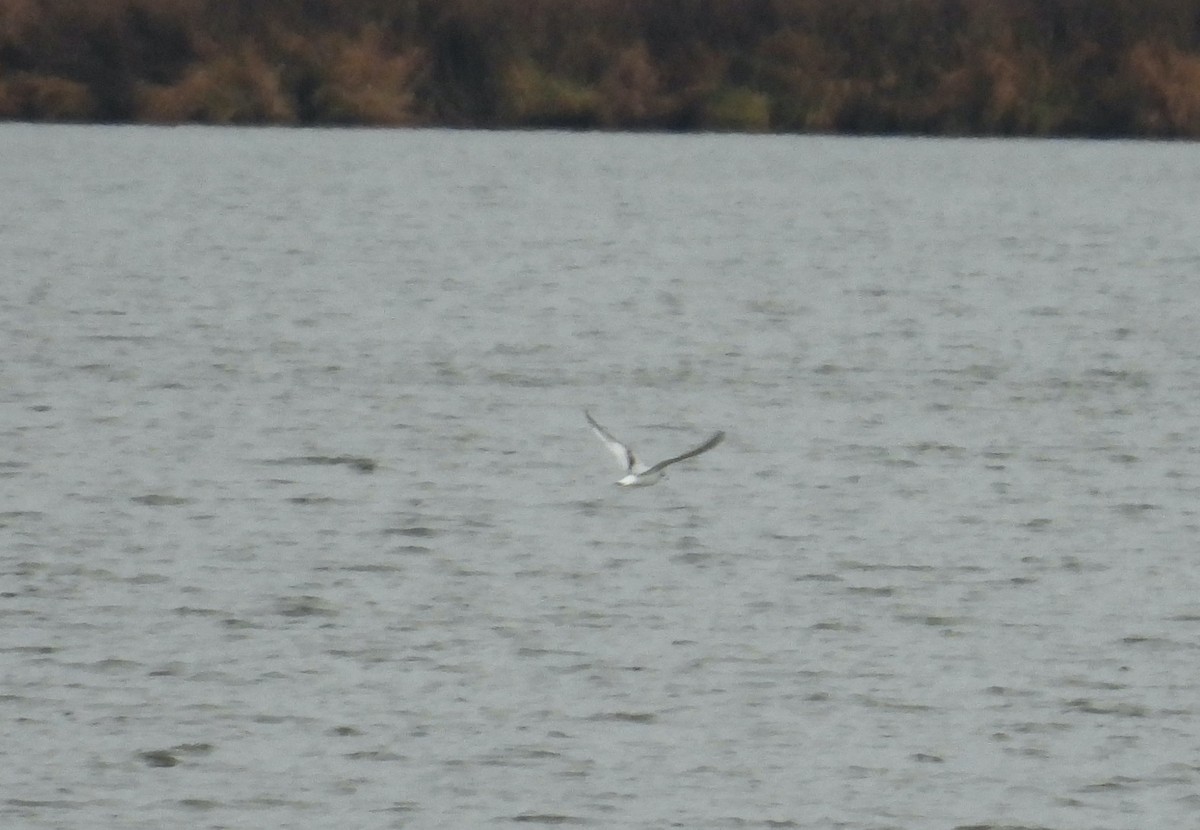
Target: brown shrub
column 46, row 97
column 1020, row 94
column 804, row 76
column 530, row 96
column 233, row 88
column 1096, row 67
column 736, row 109
column 1168, row 81
column 17, row 20
column 366, row 83
column 631, row 90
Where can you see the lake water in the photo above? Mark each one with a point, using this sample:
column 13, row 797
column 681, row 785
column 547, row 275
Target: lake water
column 301, row 524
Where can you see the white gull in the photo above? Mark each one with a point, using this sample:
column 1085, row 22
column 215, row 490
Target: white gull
column 638, row 474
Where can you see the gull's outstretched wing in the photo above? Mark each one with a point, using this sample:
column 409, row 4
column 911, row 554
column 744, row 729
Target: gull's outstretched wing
column 624, row 455
column 717, row 438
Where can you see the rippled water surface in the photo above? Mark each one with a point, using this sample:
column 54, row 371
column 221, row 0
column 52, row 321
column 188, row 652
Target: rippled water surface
column 301, row 524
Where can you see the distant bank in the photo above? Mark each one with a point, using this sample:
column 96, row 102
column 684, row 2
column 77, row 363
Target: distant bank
column 1103, row 68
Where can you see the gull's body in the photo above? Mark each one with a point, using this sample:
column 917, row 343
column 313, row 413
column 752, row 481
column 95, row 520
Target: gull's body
column 638, row 474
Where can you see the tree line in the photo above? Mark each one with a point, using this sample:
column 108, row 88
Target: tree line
column 946, row 67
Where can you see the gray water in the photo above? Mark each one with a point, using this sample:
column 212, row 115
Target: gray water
column 302, row 525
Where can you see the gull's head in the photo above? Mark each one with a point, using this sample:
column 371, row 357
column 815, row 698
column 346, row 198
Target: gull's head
column 628, row 481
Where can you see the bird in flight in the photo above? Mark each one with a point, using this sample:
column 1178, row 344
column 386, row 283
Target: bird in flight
column 638, row 474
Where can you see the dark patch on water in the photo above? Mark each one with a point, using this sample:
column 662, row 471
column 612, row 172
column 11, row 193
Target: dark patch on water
column 112, row 665
column 852, row 565
column 305, row 606
column 373, row 755
column 160, row 500
column 374, row 568
column 355, row 462
column 1000, row 827
column 937, row 448
column 417, row 530
column 1134, row 510
column 1120, row 782
column 626, row 717
column 401, row 807
column 935, row 620
column 30, row 650
column 548, row 818
column 891, row 705
column 412, row 549
column 170, row 757
column 1125, row 710
column 199, row 803
column 833, row 625
column 312, row 500
column 817, row 577
column 885, row 591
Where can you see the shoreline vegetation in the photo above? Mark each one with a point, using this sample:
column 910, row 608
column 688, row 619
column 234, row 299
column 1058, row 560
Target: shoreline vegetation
column 1095, row 68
